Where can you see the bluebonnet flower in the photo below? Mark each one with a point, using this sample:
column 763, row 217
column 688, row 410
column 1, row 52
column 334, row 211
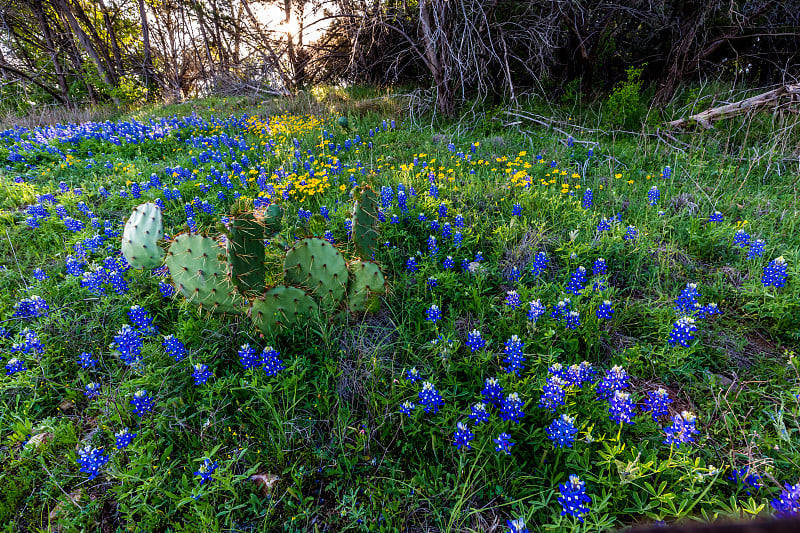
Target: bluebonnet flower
column 750, row 480
column 512, row 299
column 74, row 267
column 682, row 331
column 411, row 265
column 577, row 281
column 605, row 310
column 32, row 307
column 603, row 225
column 201, row 374
column 15, row 365
column 588, row 197
column 39, row 274
column 457, row 239
column 448, row 262
column 329, row 237
column 458, row 221
column 599, row 267
column 741, row 238
column 573, row 320
column 271, row 362
column 656, row 403
column 561, row 309
column 516, row 211
column 166, row 289
column 653, row 195
column 539, row 264
column 123, row 438
column 117, row 282
column 142, row 321
column 630, row 233
column 348, row 225
column 442, row 210
column 86, row 360
column 615, row 379
column 682, row 430
column 511, row 408
column 573, row 498
column 248, row 356
column 553, row 393
column 787, row 504
column 429, row 398
column 514, row 274
column 142, row 402
column 463, row 436
column 716, row 216
column 206, row 470
column 667, row 173
column 432, row 282
column 174, row 347
column 621, row 408
column 30, row 345
column 412, row 375
column 434, row 225
column 432, row 246
column 433, row 314
column 475, row 341
column 402, row 201
column 92, row 390
column 406, row 408
column 447, row 230
column 479, row 413
column 536, row 310
column 686, row 303
column 708, row 310
column 756, row 248
column 775, row 273
column 504, row 443
column 579, row 374
column 562, row 431
column 92, row 460
column 517, row 526
column 514, row 358
column 492, row 392
column 557, row 369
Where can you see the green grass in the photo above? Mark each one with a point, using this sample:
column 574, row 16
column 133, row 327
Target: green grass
column 328, row 427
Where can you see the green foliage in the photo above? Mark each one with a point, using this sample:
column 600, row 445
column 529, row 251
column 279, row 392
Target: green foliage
column 624, row 104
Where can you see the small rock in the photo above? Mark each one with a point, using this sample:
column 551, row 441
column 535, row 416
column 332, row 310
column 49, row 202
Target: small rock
column 265, row 482
column 38, row 440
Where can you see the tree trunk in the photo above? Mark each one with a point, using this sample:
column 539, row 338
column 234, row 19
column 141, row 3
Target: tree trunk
column 112, row 36
column 147, row 65
column 53, row 52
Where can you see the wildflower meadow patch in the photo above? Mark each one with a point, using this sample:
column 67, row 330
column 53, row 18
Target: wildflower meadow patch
column 268, row 323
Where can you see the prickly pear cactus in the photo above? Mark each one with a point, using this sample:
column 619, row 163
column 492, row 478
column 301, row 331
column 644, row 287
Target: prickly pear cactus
column 281, row 308
column 317, row 266
column 273, row 216
column 365, row 223
column 246, row 255
column 366, row 279
column 200, row 275
column 140, row 237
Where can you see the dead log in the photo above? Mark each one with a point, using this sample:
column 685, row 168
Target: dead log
column 774, row 99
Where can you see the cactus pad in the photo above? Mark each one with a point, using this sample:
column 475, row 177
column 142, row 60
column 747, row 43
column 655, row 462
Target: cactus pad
column 199, row 274
column 272, row 218
column 366, row 279
column 140, row 237
column 317, row 266
column 280, row 308
column 365, row 223
column 246, row 255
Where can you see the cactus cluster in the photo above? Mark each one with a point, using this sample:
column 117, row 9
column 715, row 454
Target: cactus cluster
column 140, row 237
column 232, row 278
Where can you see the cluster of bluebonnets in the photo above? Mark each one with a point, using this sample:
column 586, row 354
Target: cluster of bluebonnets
column 95, row 261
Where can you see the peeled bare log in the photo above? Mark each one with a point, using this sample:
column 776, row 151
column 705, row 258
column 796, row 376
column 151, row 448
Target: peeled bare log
column 775, row 99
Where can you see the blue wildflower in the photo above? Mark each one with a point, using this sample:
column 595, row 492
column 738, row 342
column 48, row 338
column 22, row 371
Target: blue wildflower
column 433, row 314
column 517, row 526
column 201, row 374
column 411, row 265
column 92, row 460
column 123, row 438
column 741, row 238
column 686, row 303
column 603, row 225
column 787, row 504
column 142, row 403
column 514, row 357
column 86, row 360
column 92, row 390
column 539, row 264
column 492, row 392
column 429, row 398
column 562, row 431
column 630, row 233
column 615, row 380
column 682, row 430
column 588, row 198
column 39, row 274
column 206, row 470
column 577, row 375
column 479, row 413
column 511, row 408
column 475, row 341
column 15, row 365
column 504, row 443
column 682, row 330
column 756, row 248
column 577, row 281
column 653, row 195
column 166, row 289
column 716, row 216
column 599, row 267
column 621, row 408
column 174, row 347
column 412, row 375
column 248, row 356
column 605, row 310
column 516, row 211
column 536, row 310
column 775, row 273
column 271, row 361
column 128, row 344
column 463, row 436
column 406, row 408
column 553, row 393
column 573, row 498
column 512, row 299
column 573, row 320
column 750, row 480
column 656, row 403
